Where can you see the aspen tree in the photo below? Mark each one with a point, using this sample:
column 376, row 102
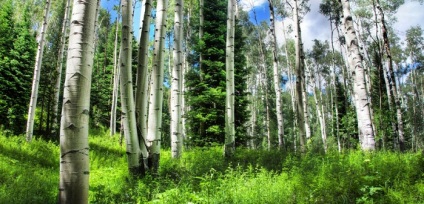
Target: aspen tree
column 59, row 67
column 276, row 74
column 176, row 84
column 37, row 72
column 154, row 126
column 366, row 132
column 115, row 81
column 141, row 101
column 229, row 65
column 136, row 150
column 74, row 150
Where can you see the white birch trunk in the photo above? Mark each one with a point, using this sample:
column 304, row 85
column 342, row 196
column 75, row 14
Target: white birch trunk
column 115, row 81
column 156, row 89
column 229, row 147
column 302, row 111
column 59, row 67
column 142, row 70
column 365, row 128
column 176, row 84
column 37, row 72
column 74, row 149
column 277, row 86
column 135, row 152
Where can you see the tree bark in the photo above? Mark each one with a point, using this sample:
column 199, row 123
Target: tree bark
column 229, row 147
column 142, row 96
column 277, row 84
column 137, row 154
column 176, row 84
column 59, row 67
column 302, row 111
column 37, row 71
column 366, row 132
column 115, row 81
column 156, row 90
column 74, row 150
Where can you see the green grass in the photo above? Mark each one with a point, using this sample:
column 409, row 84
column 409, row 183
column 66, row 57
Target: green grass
column 29, row 174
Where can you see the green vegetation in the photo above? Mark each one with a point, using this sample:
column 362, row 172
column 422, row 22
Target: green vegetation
column 29, row 174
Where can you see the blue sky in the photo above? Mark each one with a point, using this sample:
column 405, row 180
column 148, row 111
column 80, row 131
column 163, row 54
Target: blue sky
column 314, row 25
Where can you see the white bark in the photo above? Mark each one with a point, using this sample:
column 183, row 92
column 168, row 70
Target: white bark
column 115, row 81
column 65, row 26
column 142, row 70
column 176, row 84
column 37, row 72
column 302, row 110
column 366, row 132
column 156, row 89
column 276, row 74
column 229, row 65
column 74, row 150
column 135, row 152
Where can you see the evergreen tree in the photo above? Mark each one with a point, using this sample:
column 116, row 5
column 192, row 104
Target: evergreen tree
column 206, row 87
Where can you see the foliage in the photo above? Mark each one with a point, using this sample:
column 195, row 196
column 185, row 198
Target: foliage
column 206, row 80
column 28, row 174
column 17, row 58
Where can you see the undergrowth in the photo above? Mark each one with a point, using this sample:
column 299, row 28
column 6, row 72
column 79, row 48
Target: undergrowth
column 29, row 173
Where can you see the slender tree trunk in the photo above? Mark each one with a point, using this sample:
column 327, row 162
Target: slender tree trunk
column 302, row 111
column 136, row 153
column 156, row 90
column 391, row 78
column 36, row 78
column 176, row 84
column 142, row 96
column 359, row 86
column 229, row 147
column 201, row 24
column 115, row 81
column 74, row 150
column 277, row 84
column 59, row 67
column 333, row 75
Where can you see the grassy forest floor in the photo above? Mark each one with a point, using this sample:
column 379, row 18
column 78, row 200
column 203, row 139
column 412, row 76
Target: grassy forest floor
column 29, row 173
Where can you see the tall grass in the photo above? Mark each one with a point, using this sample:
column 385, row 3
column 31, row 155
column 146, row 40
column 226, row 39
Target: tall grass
column 29, row 174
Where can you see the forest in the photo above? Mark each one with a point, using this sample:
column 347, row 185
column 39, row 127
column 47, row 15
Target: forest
column 194, row 101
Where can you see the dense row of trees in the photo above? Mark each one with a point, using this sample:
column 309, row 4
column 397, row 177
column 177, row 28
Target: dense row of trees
column 209, row 76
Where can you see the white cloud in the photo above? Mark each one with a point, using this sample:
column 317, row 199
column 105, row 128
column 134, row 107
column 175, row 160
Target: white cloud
column 248, row 5
column 409, row 14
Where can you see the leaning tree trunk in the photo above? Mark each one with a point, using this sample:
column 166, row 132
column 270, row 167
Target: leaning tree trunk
column 137, row 154
column 229, row 65
column 277, row 86
column 176, row 84
column 37, row 71
column 141, row 103
column 366, row 132
column 74, row 161
column 156, row 88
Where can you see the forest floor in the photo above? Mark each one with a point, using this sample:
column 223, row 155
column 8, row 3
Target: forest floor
column 29, row 173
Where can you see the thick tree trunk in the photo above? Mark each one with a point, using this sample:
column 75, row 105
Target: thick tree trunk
column 277, row 86
column 136, row 153
column 142, row 97
column 74, row 161
column 366, row 132
column 37, row 72
column 176, row 84
column 156, row 88
column 229, row 147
